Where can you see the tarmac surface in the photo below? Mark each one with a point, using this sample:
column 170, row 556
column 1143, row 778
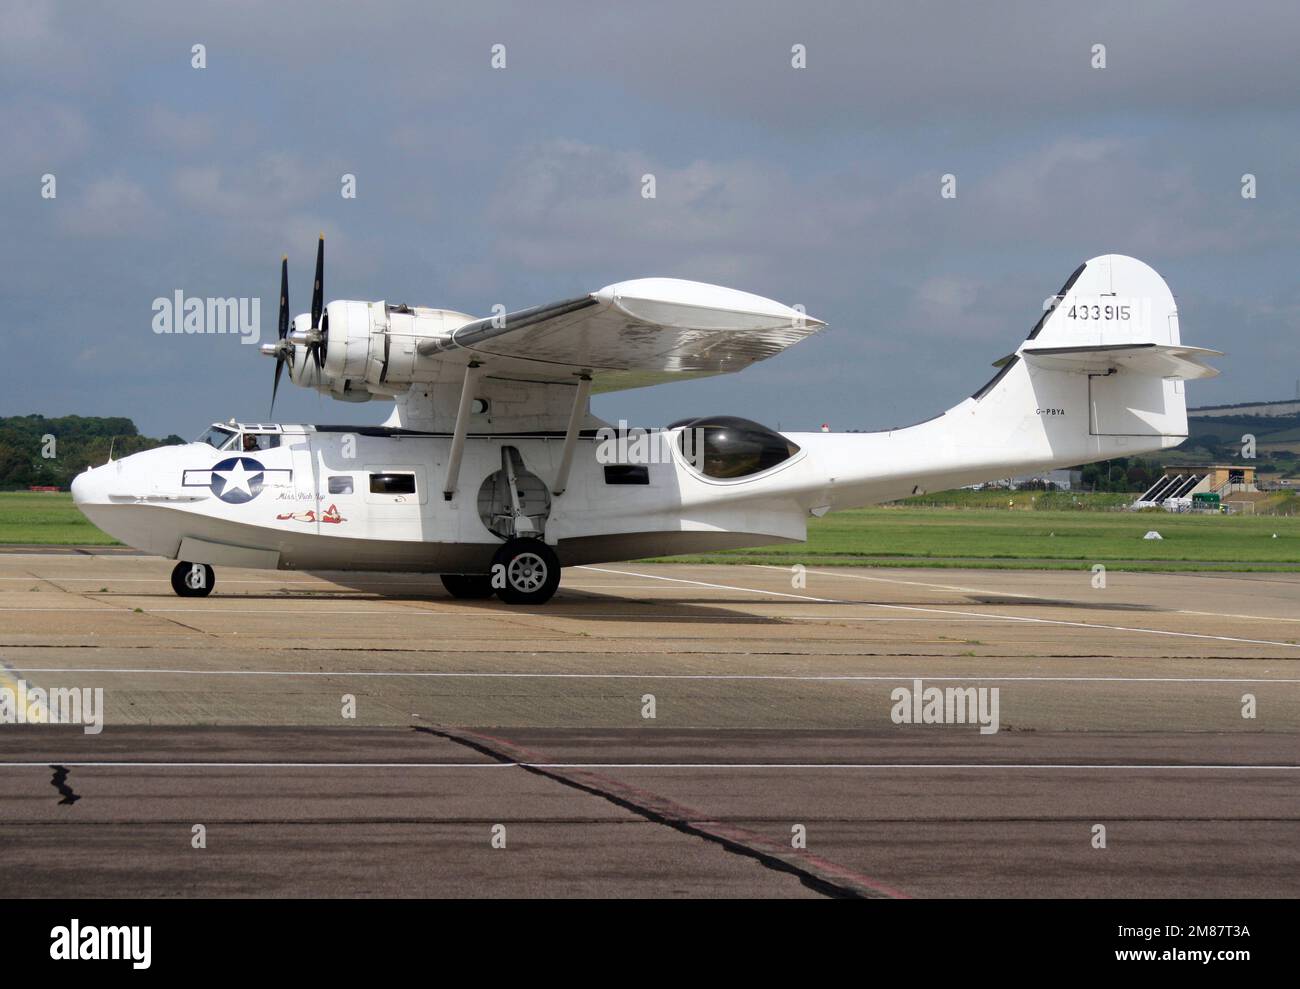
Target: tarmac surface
column 655, row 730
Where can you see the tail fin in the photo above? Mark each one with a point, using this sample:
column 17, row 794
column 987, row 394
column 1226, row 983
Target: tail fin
column 1112, row 299
column 1116, row 322
column 1100, row 376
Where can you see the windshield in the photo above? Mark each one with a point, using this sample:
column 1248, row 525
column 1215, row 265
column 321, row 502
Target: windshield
column 216, row 436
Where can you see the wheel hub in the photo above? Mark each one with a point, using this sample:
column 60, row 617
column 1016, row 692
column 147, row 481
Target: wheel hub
column 527, row 572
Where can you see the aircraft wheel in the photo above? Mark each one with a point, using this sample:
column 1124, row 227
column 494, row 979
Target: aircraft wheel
column 193, row 580
column 525, row 571
column 472, row 586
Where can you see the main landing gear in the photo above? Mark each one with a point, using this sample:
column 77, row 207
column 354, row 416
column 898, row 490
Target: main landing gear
column 193, row 580
column 524, row 571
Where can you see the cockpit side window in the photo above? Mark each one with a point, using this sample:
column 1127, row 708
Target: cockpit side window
column 253, row 442
column 217, row 437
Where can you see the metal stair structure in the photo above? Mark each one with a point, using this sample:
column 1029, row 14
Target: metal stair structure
column 1170, row 488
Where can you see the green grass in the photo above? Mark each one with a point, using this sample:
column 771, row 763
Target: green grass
column 907, row 535
column 1024, row 539
column 46, row 519
column 1082, row 501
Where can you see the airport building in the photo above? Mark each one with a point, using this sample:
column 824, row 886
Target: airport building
column 1208, row 487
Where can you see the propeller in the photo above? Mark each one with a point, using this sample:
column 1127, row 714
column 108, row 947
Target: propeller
column 314, row 339
column 282, row 346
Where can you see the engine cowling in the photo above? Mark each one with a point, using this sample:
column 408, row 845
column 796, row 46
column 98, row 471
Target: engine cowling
column 374, row 344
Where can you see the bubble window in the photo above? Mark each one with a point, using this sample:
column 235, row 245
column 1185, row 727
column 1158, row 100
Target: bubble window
column 728, row 447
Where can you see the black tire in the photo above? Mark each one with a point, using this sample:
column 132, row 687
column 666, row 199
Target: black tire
column 193, row 580
column 470, row 586
column 525, row 571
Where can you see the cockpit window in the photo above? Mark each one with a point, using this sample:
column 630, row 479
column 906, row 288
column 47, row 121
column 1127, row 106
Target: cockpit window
column 252, row 442
column 729, row 447
column 217, row 436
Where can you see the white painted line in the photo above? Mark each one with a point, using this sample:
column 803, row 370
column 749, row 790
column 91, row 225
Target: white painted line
column 111, row 557
column 402, row 608
column 132, row 764
column 395, row 608
column 104, row 609
column 795, row 677
column 976, row 614
column 894, row 580
column 1256, row 618
column 1031, row 766
column 323, row 584
column 224, row 580
column 723, row 587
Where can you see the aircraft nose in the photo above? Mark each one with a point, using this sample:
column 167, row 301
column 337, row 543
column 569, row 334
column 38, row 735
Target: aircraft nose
column 86, row 488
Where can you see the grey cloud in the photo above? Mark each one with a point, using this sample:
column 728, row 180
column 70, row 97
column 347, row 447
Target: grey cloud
column 179, row 131
column 111, row 207
column 40, row 136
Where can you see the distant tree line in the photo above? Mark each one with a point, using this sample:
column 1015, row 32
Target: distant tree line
column 29, row 457
column 1120, row 474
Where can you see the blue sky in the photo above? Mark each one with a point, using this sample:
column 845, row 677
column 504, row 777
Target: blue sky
column 521, row 185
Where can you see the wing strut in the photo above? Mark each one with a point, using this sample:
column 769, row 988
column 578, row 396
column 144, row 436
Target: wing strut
column 472, row 372
column 571, row 434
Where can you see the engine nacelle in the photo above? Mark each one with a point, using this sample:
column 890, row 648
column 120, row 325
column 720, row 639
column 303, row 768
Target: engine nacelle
column 374, row 344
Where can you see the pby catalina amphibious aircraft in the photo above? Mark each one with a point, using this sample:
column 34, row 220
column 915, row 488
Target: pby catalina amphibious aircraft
column 493, row 473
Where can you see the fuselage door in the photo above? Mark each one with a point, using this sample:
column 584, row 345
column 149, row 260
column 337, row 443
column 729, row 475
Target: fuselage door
column 299, row 507
column 395, row 496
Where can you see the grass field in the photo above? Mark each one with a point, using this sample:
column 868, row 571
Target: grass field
column 1020, row 539
column 46, row 519
column 1065, row 501
column 909, row 535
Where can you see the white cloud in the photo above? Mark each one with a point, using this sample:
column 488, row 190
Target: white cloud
column 114, row 206
column 567, row 203
column 180, row 131
column 270, row 184
column 41, row 136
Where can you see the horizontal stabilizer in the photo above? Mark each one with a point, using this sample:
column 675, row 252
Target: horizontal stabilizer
column 1172, row 361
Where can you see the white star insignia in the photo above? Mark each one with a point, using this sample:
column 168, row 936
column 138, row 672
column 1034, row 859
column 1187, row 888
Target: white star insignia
column 236, row 479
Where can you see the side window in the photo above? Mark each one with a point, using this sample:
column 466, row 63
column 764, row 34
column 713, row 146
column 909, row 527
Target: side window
column 627, row 474
column 394, row 483
column 340, row 485
column 253, row 442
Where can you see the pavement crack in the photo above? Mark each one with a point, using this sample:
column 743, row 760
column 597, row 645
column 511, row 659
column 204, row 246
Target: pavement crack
column 814, row 872
column 46, row 580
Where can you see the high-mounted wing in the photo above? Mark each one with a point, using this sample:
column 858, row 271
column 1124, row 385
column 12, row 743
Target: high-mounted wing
column 636, row 333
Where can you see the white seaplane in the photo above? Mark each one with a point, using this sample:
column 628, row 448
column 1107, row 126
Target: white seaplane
column 492, row 472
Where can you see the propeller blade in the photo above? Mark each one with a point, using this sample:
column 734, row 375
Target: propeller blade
column 284, row 297
column 284, row 328
column 318, row 300
column 317, row 293
column 279, row 366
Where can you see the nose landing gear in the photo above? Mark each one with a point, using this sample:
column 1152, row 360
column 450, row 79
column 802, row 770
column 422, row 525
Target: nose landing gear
column 193, row 580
